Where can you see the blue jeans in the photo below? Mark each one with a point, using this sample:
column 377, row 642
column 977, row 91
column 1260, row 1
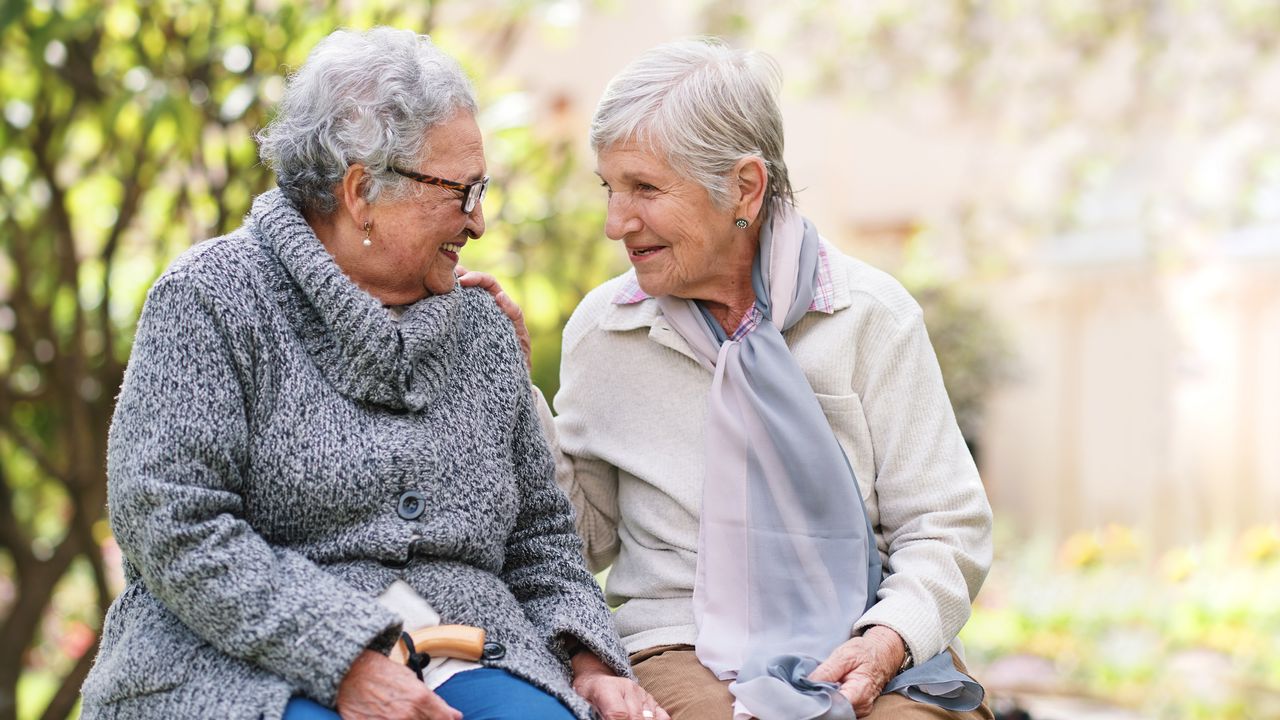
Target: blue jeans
column 482, row 694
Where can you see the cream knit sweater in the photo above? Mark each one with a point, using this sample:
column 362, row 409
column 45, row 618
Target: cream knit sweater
column 628, row 439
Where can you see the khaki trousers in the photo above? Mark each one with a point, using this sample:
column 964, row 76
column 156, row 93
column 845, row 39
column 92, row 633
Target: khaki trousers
column 688, row 691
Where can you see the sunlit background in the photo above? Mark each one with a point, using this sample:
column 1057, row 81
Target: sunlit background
column 1083, row 194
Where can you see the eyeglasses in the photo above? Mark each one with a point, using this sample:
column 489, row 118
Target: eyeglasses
column 472, row 194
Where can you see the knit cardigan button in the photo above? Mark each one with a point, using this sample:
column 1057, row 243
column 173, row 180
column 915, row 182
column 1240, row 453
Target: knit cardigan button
column 412, row 504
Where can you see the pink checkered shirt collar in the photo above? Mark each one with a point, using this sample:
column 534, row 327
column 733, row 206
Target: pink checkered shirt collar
column 823, row 295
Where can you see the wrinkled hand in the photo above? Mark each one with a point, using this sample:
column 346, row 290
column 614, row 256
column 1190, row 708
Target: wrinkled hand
column 375, row 688
column 862, row 666
column 472, row 278
column 615, row 698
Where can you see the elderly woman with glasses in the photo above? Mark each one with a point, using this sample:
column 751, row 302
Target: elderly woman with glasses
column 753, row 427
column 321, row 442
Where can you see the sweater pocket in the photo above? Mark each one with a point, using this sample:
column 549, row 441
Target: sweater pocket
column 849, row 423
column 145, row 650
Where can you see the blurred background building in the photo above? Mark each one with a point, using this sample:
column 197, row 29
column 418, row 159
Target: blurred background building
column 1104, row 178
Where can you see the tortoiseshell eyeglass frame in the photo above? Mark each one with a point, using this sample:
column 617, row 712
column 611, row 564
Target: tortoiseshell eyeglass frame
column 472, row 193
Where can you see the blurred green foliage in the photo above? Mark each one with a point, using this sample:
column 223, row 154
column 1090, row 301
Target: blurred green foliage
column 127, row 136
column 1192, row 632
column 545, row 239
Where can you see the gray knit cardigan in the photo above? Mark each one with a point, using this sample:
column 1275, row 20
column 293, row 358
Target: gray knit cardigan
column 270, row 424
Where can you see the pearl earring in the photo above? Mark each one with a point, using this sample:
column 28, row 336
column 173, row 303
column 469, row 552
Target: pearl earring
column 367, row 226
column 741, row 223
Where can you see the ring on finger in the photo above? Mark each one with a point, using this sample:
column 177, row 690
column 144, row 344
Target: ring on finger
column 648, row 714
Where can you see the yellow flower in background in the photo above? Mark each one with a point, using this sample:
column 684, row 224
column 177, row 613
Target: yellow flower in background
column 1062, row 646
column 1082, row 550
column 1120, row 542
column 1261, row 544
column 1178, row 564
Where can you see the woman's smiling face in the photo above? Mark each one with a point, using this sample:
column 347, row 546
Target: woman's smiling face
column 416, row 239
column 676, row 237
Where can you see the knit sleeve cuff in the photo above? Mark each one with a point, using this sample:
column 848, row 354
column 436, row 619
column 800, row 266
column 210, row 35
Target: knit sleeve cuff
column 324, row 654
column 602, row 641
column 919, row 632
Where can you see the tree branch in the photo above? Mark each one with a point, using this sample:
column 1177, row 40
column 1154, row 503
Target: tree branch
column 68, row 265
column 30, row 448
column 80, row 541
column 29, row 314
column 133, row 190
column 11, row 535
column 59, row 708
column 35, row 591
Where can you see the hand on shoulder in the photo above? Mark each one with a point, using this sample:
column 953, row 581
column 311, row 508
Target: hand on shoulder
column 472, row 278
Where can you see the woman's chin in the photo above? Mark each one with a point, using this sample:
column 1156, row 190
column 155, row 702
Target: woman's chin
column 442, row 285
column 653, row 287
column 654, row 281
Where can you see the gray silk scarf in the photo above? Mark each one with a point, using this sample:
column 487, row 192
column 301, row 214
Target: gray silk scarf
column 787, row 561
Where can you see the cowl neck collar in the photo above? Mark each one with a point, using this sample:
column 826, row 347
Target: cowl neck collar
column 347, row 332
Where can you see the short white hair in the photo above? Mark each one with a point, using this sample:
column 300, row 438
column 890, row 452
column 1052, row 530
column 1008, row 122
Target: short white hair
column 361, row 97
column 705, row 106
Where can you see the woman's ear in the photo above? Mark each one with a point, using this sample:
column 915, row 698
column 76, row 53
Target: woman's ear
column 752, row 179
column 351, row 193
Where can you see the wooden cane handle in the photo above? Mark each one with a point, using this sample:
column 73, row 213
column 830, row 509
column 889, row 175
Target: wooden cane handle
column 456, row 641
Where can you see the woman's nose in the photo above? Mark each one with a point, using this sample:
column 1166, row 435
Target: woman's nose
column 475, row 221
column 621, row 220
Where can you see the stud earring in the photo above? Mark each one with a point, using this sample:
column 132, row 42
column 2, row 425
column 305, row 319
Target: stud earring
column 367, row 226
column 741, row 223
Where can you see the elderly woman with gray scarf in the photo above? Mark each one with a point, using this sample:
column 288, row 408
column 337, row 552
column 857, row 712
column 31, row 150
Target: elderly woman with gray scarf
column 314, row 414
column 754, row 429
